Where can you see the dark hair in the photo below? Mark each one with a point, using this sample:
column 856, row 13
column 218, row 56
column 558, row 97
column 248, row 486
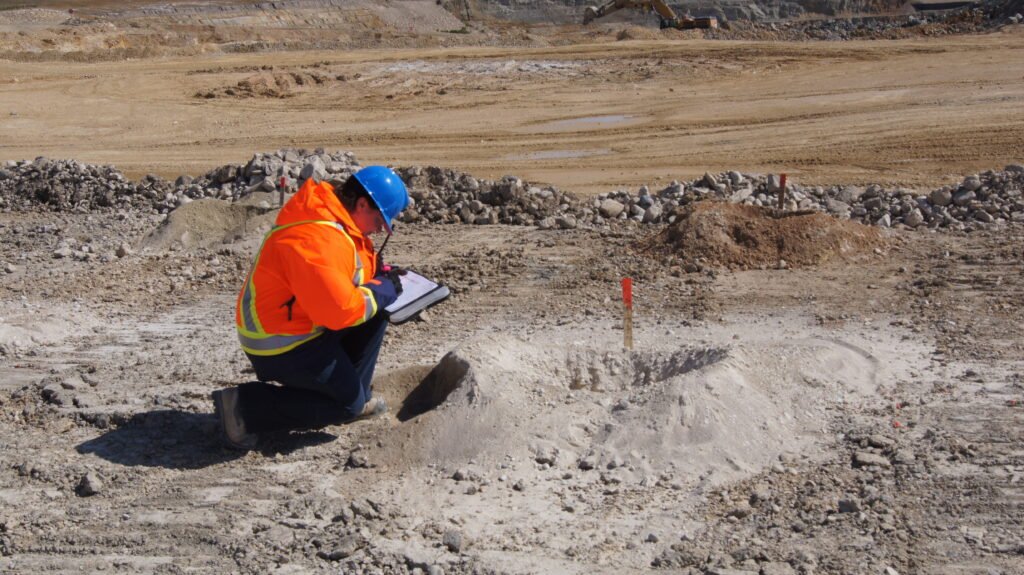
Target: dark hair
column 349, row 192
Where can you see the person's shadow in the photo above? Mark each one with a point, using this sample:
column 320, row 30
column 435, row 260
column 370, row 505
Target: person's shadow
column 183, row 440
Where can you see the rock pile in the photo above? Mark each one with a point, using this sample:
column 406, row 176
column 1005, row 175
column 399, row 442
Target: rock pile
column 751, row 23
column 68, row 185
column 445, row 196
column 979, row 199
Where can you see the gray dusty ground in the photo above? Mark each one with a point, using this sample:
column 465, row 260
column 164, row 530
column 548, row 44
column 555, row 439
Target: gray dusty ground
column 860, row 416
column 845, row 419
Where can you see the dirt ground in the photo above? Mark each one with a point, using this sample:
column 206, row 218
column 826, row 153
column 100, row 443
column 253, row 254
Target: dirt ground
column 588, row 116
column 861, row 415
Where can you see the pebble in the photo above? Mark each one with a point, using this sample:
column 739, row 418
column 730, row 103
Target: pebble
column 741, row 511
column 880, row 441
column 777, row 568
column 849, row 506
column 452, row 540
column 345, row 547
column 90, row 484
column 868, row 459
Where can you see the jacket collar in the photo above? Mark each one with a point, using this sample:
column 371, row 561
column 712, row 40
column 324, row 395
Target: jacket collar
column 317, row 201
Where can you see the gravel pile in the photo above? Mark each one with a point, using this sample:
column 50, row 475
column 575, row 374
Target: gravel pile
column 445, row 196
column 68, row 185
column 964, row 21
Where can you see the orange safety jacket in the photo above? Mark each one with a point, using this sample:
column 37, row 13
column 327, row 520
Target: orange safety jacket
column 308, row 275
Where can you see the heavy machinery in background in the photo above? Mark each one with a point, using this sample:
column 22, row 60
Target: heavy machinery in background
column 667, row 15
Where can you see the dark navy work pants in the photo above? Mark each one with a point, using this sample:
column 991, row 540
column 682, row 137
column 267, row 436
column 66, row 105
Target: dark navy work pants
column 322, row 382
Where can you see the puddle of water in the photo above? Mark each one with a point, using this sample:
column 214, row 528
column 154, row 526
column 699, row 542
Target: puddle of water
column 558, row 154
column 586, row 122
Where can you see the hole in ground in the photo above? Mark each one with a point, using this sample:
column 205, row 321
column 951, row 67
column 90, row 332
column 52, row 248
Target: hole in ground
column 422, row 388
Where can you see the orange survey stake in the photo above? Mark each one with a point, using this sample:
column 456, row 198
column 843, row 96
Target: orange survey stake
column 627, row 319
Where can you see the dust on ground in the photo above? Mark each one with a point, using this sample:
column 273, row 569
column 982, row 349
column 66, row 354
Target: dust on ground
column 857, row 413
column 759, row 410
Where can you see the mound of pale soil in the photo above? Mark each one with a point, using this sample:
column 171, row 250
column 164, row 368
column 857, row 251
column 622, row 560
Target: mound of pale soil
column 735, row 236
column 729, row 412
column 208, row 222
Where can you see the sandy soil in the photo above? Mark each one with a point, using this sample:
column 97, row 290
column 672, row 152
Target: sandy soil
column 859, row 416
column 588, row 118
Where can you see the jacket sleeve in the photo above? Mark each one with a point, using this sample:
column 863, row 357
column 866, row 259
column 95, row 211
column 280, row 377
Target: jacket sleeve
column 319, row 268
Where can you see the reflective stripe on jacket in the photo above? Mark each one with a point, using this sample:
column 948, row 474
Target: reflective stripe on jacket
column 307, row 277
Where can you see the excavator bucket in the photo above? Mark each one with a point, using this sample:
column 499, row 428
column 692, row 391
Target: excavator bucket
column 589, row 13
column 708, row 22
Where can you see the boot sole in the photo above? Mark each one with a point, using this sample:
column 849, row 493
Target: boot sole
column 218, row 410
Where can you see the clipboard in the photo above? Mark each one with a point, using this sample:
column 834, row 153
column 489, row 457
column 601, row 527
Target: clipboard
column 418, row 293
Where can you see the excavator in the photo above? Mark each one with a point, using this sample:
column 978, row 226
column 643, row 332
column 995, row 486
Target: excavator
column 667, row 15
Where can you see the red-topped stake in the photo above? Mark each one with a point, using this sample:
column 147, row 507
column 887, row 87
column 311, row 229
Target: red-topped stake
column 627, row 320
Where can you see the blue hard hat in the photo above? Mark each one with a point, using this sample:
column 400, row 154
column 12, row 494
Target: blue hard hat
column 386, row 190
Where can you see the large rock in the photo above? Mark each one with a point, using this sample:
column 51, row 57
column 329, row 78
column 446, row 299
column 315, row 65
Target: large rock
column 314, row 168
column 611, row 209
column 837, row 207
column 914, row 218
column 90, row 484
column 964, row 198
column 850, row 194
column 971, row 184
column 652, row 214
column 941, row 197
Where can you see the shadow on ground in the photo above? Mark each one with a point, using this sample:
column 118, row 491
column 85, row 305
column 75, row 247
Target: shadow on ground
column 175, row 439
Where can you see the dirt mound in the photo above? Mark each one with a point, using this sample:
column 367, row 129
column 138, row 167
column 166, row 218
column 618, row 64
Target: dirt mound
column 209, row 222
column 269, row 85
column 726, row 411
column 735, row 236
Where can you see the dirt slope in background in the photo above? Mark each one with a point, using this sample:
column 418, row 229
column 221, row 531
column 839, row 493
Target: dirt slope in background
column 587, row 118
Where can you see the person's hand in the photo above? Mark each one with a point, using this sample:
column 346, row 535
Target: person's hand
column 395, row 274
column 383, row 290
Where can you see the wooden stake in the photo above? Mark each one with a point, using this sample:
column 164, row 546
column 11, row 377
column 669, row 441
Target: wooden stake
column 627, row 320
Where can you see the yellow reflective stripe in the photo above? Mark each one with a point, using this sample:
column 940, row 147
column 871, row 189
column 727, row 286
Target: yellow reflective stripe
column 370, row 302
column 275, row 344
column 254, row 339
column 357, row 279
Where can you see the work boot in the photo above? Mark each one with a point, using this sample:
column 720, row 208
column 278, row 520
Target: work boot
column 376, row 406
column 232, row 428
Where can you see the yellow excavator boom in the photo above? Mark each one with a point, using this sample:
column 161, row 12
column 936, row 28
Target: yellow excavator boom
column 667, row 15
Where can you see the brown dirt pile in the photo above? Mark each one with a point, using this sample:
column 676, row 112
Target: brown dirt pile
column 269, row 85
column 734, row 236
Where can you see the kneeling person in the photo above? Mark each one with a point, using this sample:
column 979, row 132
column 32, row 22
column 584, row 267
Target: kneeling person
column 310, row 315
